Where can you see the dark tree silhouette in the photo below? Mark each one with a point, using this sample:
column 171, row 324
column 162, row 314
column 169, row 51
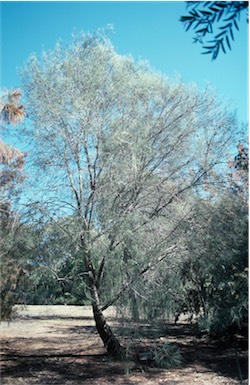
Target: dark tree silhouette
column 241, row 159
column 214, row 23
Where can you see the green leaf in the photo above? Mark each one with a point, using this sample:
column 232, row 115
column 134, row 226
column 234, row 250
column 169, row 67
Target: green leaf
column 219, row 15
column 206, row 13
column 216, row 52
column 230, row 17
column 198, row 39
column 186, row 18
column 210, row 27
column 189, row 25
column 213, row 8
column 203, row 31
column 228, row 42
column 194, row 13
column 222, row 46
column 221, row 5
column 231, row 33
column 220, row 34
column 236, row 25
column 229, row 25
column 208, row 47
column 198, row 23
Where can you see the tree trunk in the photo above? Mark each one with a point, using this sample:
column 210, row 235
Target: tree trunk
column 109, row 340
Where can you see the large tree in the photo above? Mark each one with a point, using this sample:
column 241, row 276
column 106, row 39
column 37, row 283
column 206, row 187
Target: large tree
column 116, row 146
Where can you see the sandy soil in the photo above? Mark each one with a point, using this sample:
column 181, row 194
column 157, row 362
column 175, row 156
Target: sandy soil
column 59, row 345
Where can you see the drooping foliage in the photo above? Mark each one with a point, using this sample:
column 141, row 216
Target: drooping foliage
column 209, row 282
column 55, row 275
column 120, row 150
column 214, row 23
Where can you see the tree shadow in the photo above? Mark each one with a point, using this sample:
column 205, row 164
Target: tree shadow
column 225, row 357
column 86, row 329
column 58, row 368
column 53, row 318
column 219, row 360
column 151, row 331
column 214, row 355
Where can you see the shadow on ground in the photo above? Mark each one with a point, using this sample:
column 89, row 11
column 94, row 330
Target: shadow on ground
column 64, row 366
column 59, row 368
column 228, row 358
column 54, row 318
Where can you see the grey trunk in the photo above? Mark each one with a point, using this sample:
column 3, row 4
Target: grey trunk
column 110, row 341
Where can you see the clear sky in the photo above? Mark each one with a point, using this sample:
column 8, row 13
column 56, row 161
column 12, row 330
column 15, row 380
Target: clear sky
column 147, row 30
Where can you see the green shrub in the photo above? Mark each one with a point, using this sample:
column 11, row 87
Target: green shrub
column 166, row 356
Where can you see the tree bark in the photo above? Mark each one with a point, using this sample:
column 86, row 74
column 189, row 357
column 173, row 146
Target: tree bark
column 111, row 343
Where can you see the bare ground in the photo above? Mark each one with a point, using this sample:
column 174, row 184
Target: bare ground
column 59, row 345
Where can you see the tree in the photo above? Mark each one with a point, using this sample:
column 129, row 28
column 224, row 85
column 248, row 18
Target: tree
column 117, row 145
column 55, row 275
column 214, row 19
column 215, row 275
column 11, row 175
column 11, row 159
column 210, row 280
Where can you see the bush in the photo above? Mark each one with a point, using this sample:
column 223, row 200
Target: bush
column 166, row 356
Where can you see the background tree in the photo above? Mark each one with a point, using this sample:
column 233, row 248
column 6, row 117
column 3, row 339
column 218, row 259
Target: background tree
column 11, row 175
column 210, row 279
column 11, row 159
column 55, row 275
column 214, row 23
column 112, row 143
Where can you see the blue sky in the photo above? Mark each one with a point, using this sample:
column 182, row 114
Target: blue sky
column 146, row 30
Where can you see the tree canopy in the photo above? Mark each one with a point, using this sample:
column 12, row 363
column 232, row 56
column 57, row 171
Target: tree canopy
column 119, row 153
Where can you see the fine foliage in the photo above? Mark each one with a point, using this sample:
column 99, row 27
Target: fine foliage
column 166, row 356
column 209, row 283
column 117, row 148
column 11, row 176
column 214, row 23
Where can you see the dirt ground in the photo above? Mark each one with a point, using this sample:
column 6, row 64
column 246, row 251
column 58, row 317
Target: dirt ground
column 59, row 345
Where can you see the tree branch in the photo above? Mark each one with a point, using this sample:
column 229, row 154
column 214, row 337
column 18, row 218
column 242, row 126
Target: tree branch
column 142, row 272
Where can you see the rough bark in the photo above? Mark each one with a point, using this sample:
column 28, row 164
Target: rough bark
column 110, row 341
